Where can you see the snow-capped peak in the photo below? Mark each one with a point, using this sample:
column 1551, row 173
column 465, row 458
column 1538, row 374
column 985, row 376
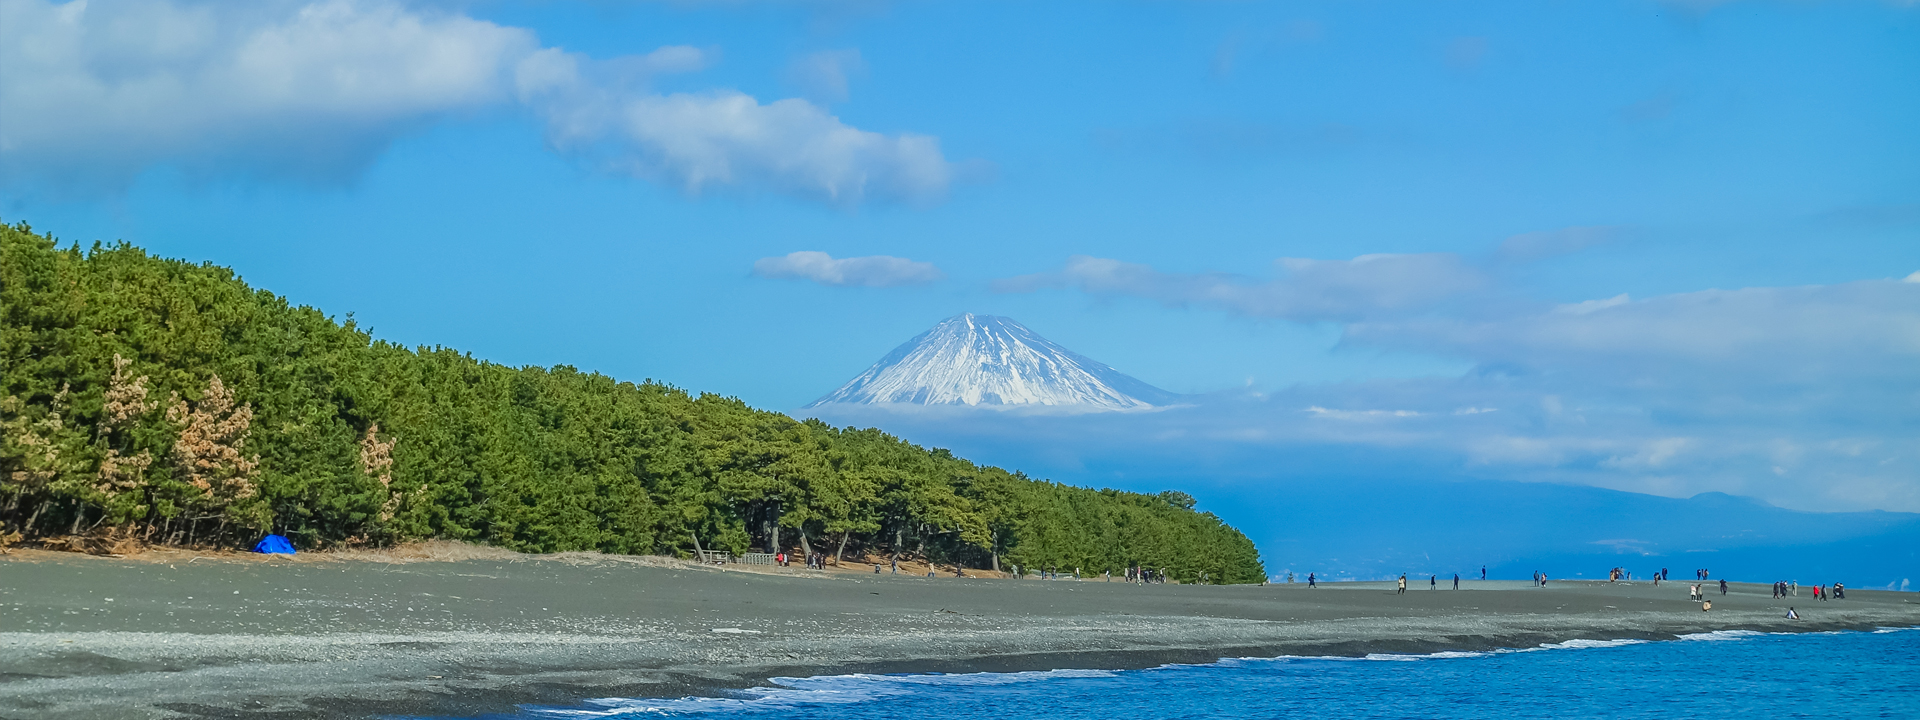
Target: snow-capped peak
column 986, row 360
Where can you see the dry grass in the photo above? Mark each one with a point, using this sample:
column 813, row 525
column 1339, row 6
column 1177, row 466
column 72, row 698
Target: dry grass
column 129, row 547
column 112, row 542
column 448, row 551
column 427, row 551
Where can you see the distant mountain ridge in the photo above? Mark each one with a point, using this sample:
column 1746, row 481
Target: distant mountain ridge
column 987, row 360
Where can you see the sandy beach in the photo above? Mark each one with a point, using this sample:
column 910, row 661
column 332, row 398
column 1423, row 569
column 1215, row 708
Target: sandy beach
column 462, row 631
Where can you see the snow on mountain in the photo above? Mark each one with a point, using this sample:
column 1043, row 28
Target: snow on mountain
column 986, row 360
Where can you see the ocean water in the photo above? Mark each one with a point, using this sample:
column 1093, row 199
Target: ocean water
column 1841, row 674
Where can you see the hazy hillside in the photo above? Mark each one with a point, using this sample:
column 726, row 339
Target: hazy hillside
column 1389, row 527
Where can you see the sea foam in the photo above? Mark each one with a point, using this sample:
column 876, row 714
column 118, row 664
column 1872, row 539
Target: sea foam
column 791, row 696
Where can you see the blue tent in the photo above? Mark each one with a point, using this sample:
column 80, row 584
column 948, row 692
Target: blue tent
column 274, row 545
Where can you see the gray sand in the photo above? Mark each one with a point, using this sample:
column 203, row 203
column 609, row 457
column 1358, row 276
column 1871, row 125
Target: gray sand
column 168, row 635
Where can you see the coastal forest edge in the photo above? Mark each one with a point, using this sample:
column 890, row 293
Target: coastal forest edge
column 156, row 400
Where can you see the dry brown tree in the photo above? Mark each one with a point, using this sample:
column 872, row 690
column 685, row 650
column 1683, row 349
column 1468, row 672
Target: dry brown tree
column 210, row 453
column 376, row 460
column 126, row 400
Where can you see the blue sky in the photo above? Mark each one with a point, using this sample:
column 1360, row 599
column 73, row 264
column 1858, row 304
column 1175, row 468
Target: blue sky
column 1659, row 247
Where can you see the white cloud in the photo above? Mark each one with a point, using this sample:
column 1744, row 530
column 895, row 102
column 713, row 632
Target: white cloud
column 1321, row 412
column 673, row 59
column 826, row 76
column 96, row 92
column 870, row 271
column 726, row 139
column 1589, row 306
column 1305, row 290
column 1914, row 278
column 1843, row 333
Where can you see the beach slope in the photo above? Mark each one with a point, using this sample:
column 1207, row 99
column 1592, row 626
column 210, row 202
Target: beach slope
column 179, row 634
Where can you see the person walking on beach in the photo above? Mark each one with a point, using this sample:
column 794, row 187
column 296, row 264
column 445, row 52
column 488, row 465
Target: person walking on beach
column 1456, row 581
column 1483, row 572
column 1310, row 581
column 1403, row 584
column 1723, row 586
column 1433, row 582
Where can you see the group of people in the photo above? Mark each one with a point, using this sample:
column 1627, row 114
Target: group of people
column 1145, row 576
column 1618, row 574
column 1837, row 591
column 1820, row 592
column 819, row 563
column 1700, row 574
column 813, row 562
column 1539, row 579
column 1433, row 582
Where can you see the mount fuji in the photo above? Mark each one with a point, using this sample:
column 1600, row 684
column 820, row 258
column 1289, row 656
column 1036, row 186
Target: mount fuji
column 993, row 361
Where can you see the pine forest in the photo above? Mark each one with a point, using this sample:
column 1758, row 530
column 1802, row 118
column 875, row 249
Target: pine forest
column 166, row 403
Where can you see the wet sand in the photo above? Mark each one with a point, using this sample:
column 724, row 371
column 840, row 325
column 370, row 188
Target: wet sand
column 176, row 634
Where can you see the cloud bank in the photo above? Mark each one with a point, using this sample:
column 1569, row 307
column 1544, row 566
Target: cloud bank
column 869, row 271
column 1804, row 396
column 1304, row 290
column 98, row 91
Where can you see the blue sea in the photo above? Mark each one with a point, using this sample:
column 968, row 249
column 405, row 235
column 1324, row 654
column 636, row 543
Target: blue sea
column 1713, row 675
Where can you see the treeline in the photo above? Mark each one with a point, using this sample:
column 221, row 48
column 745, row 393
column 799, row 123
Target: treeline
column 157, row 400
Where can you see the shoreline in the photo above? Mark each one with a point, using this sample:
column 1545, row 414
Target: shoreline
column 320, row 637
